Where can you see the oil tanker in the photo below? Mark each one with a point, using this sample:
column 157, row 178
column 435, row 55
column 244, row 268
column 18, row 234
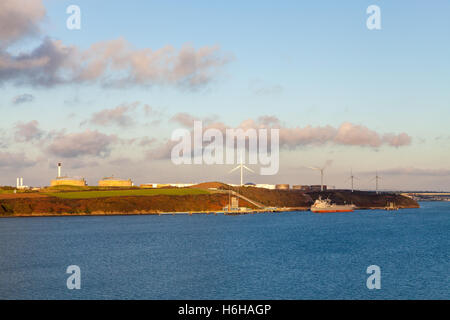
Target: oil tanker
column 322, row 206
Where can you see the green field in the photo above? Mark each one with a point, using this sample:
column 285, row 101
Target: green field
column 125, row 193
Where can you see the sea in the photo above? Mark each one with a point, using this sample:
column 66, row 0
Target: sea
column 290, row 255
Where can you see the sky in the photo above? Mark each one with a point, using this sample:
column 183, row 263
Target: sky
column 105, row 99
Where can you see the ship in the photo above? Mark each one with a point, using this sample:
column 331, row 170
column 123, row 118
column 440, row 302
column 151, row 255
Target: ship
column 322, row 206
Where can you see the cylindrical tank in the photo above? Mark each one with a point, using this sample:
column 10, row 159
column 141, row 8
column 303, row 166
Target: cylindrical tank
column 114, row 182
column 68, row 182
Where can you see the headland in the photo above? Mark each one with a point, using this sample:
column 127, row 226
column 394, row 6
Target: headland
column 212, row 197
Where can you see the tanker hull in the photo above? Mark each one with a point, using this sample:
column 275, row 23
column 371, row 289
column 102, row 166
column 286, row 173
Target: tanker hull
column 333, row 209
column 324, row 206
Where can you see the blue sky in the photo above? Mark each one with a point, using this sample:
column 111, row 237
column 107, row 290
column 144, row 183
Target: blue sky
column 307, row 63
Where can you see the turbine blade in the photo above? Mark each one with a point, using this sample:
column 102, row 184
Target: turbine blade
column 238, row 167
column 314, row 168
column 248, row 169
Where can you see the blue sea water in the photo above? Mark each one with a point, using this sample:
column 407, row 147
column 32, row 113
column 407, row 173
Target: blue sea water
column 294, row 255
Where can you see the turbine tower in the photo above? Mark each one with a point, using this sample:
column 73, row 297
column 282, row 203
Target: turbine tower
column 321, row 173
column 376, row 178
column 352, row 177
column 242, row 167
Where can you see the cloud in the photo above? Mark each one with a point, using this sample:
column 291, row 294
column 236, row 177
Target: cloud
column 118, row 115
column 79, row 163
column 3, row 139
column 347, row 134
column 146, row 141
column 397, row 140
column 122, row 162
column 412, row 171
column 162, row 151
column 261, row 88
column 186, row 66
column 19, row 19
column 23, row 98
column 49, row 64
column 15, row 160
column 269, row 121
column 25, row 132
column 356, row 135
column 442, row 138
column 87, row 143
column 111, row 63
column 185, row 119
column 294, row 137
column 149, row 111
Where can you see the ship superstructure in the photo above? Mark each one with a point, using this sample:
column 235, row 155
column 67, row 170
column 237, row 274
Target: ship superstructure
column 325, row 205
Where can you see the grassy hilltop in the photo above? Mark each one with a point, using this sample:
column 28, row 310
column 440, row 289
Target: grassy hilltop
column 125, row 193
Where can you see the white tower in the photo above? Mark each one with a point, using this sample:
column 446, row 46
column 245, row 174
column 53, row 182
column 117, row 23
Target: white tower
column 59, row 170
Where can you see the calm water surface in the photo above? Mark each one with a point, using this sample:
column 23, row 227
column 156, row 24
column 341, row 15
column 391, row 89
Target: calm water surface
column 295, row 255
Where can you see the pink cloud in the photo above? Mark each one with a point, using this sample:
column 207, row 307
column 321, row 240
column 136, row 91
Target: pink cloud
column 87, row 143
column 28, row 131
column 15, row 160
column 118, row 115
column 111, row 63
column 19, row 19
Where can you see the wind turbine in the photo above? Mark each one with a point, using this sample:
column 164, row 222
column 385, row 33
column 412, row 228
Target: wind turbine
column 352, row 177
column 242, row 167
column 376, row 178
column 321, row 173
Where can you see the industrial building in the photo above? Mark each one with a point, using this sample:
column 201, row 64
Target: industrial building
column 19, row 184
column 265, row 186
column 318, row 188
column 282, row 186
column 153, row 185
column 115, row 182
column 67, row 181
column 301, row 187
column 165, row 185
